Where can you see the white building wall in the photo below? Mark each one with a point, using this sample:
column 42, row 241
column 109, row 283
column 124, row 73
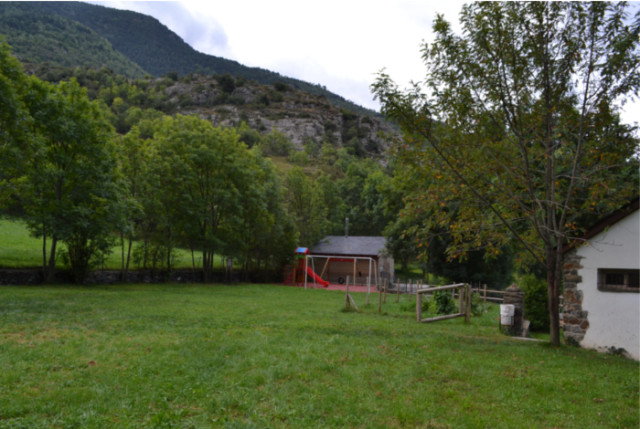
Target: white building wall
column 614, row 317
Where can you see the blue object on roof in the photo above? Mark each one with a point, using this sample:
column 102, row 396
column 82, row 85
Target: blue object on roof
column 302, row 250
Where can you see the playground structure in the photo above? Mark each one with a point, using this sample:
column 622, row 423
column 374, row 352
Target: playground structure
column 364, row 259
column 360, row 270
column 304, row 271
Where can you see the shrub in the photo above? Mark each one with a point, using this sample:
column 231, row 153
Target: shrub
column 444, row 302
column 426, row 304
column 264, row 100
column 299, row 158
column 281, row 87
column 535, row 302
column 276, row 97
column 276, row 143
column 478, row 308
column 227, row 83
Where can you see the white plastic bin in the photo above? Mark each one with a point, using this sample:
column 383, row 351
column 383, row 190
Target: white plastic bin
column 506, row 314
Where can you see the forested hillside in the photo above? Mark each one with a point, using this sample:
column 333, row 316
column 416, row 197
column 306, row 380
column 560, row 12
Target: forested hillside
column 54, row 38
column 39, row 37
column 144, row 41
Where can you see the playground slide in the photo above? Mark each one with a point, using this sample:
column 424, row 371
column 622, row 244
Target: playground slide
column 316, row 277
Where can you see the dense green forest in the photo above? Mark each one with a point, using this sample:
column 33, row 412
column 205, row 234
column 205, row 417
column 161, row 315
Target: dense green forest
column 104, row 159
column 47, row 38
column 165, row 181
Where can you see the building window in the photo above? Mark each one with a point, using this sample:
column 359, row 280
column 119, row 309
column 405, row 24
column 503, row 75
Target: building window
column 615, row 280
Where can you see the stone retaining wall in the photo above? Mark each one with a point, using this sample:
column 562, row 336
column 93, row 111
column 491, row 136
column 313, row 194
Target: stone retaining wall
column 34, row 277
column 576, row 322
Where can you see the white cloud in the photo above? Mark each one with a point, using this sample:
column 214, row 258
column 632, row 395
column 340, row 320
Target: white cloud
column 338, row 44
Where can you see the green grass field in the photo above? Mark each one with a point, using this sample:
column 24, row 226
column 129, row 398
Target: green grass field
column 19, row 250
column 272, row 356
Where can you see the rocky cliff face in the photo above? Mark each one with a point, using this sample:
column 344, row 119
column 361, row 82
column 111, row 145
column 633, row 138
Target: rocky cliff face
column 300, row 116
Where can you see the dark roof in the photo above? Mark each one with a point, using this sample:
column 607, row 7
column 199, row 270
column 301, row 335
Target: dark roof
column 614, row 217
column 357, row 246
column 606, row 222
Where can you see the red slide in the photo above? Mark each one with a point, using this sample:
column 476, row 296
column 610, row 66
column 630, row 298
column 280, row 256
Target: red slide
column 316, row 277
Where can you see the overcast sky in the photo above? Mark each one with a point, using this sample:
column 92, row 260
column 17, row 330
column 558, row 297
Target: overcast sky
column 341, row 44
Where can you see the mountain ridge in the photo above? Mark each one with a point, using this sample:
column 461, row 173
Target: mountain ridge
column 157, row 50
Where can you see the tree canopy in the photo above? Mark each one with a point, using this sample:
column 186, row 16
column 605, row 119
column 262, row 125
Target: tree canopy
column 69, row 187
column 515, row 136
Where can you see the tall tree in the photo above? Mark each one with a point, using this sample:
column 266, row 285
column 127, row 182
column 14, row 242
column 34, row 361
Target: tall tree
column 14, row 120
column 362, row 192
column 204, row 182
column 133, row 174
column 69, row 183
column 518, row 126
column 268, row 234
column 304, row 202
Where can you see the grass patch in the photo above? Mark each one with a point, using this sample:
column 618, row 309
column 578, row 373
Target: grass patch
column 18, row 249
column 273, row 356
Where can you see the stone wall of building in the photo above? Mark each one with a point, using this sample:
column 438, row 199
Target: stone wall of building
column 575, row 318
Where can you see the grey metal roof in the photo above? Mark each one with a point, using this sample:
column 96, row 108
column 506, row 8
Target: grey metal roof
column 341, row 245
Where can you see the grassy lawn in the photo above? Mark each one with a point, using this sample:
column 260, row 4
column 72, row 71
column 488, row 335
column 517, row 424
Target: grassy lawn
column 19, row 250
column 273, row 356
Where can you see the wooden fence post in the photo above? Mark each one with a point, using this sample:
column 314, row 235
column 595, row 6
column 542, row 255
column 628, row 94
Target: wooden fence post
column 467, row 313
column 385, row 291
column 419, row 306
column 369, row 282
column 347, row 303
column 380, row 298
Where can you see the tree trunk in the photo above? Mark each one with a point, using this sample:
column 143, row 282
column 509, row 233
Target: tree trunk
column 207, row 265
column 122, row 256
column 44, row 254
column 145, row 254
column 52, row 261
column 553, row 282
column 129, row 254
column 126, row 265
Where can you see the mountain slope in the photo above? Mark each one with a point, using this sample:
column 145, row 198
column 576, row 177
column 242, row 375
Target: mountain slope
column 37, row 37
column 156, row 49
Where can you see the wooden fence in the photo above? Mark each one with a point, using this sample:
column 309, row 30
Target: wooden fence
column 489, row 294
column 411, row 287
column 464, row 307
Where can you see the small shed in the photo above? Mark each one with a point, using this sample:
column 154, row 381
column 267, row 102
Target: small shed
column 601, row 290
column 363, row 259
